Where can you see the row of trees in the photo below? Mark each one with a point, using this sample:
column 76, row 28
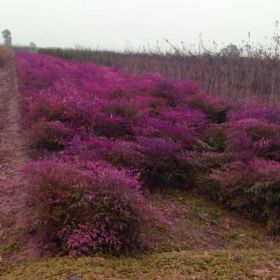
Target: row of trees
column 7, row 36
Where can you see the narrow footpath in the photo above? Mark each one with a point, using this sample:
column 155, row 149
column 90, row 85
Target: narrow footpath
column 16, row 242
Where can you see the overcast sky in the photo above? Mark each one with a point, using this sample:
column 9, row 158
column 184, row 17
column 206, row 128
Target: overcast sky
column 118, row 24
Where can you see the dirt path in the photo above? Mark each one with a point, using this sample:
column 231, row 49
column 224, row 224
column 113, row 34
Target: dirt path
column 14, row 213
column 196, row 224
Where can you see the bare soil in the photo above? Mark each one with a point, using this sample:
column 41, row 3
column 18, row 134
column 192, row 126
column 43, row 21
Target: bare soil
column 15, row 215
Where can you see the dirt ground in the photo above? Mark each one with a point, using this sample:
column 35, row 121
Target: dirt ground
column 15, row 215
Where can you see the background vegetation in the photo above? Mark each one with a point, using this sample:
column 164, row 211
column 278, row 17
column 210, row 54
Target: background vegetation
column 234, row 71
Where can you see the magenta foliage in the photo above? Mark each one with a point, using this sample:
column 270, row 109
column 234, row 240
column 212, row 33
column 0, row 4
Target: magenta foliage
column 182, row 125
column 92, row 115
column 253, row 137
column 87, row 207
column 265, row 113
column 165, row 162
column 49, row 135
column 117, row 152
column 163, row 132
column 98, row 101
column 214, row 107
column 252, row 188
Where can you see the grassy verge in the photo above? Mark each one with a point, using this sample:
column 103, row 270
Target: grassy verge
column 195, row 223
column 228, row 264
column 202, row 241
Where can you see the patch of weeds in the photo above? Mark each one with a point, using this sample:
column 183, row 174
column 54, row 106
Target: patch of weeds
column 9, row 245
column 166, row 246
column 234, row 234
column 169, row 191
column 207, row 220
column 215, row 213
column 218, row 265
column 7, row 221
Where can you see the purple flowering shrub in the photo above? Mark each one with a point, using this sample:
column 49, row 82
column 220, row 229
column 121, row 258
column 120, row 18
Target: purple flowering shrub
column 158, row 128
column 270, row 114
column 214, row 107
column 84, row 208
column 252, row 137
column 49, row 135
column 119, row 153
column 165, row 163
column 158, row 161
column 252, row 188
column 163, row 133
column 215, row 138
column 46, row 106
column 111, row 127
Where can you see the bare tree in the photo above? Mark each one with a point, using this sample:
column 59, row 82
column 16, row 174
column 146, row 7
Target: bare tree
column 7, row 35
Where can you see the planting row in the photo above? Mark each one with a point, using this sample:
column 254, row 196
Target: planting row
column 101, row 137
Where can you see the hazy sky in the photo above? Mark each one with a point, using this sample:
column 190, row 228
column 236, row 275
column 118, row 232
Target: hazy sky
column 124, row 23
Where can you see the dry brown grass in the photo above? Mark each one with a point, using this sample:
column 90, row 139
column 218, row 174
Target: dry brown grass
column 6, row 55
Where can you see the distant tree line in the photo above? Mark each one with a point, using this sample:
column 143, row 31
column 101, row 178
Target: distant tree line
column 7, row 37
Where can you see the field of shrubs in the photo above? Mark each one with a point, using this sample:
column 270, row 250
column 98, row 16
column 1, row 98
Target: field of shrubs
column 251, row 72
column 103, row 139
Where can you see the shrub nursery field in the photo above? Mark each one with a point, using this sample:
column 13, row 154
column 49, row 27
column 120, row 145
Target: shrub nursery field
column 120, row 160
column 249, row 71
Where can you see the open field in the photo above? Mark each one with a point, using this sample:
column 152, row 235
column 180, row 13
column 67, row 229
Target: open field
column 112, row 175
